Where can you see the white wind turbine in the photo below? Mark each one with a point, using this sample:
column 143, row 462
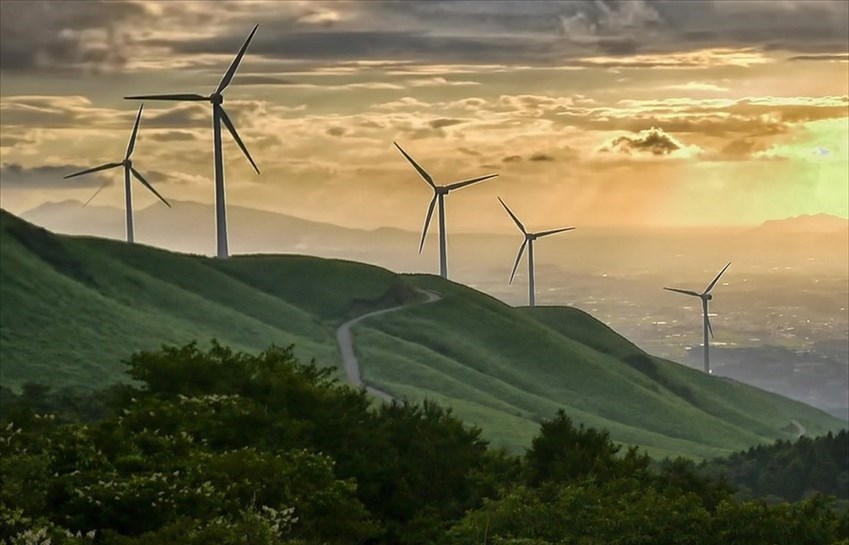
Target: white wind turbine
column 529, row 242
column 705, row 296
column 218, row 116
column 127, row 163
column 439, row 192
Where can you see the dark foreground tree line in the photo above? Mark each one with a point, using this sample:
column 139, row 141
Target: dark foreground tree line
column 221, row 447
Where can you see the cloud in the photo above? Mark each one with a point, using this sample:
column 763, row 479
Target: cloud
column 512, row 159
column 323, row 17
column 696, row 86
column 739, row 149
column 438, row 81
column 66, row 36
column 649, row 142
column 61, row 112
column 540, row 157
column 602, row 22
column 180, row 116
column 51, row 176
column 836, row 57
column 697, row 58
column 171, row 136
column 444, row 122
column 71, row 36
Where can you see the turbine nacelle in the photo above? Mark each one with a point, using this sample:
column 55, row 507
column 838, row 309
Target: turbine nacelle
column 529, row 240
column 216, row 98
column 705, row 296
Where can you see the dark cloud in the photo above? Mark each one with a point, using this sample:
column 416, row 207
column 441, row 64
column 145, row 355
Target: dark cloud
column 339, row 45
column 444, row 122
column 540, row 157
column 182, row 116
column 468, row 151
column 171, row 136
column 512, row 159
column 51, row 176
column 843, row 57
column 653, row 141
column 103, row 34
column 336, row 131
column 67, row 35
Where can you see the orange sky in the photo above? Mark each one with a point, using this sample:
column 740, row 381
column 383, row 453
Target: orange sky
column 592, row 113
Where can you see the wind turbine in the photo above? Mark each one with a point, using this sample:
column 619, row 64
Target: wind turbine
column 218, row 116
column 439, row 192
column 127, row 163
column 705, row 296
column 529, row 242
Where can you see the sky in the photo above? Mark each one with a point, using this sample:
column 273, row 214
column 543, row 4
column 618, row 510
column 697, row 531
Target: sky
column 593, row 113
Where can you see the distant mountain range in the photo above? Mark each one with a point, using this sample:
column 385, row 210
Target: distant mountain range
column 189, row 227
column 73, row 307
column 817, row 223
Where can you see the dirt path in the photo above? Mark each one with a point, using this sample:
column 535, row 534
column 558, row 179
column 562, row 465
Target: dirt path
column 800, row 427
column 346, row 345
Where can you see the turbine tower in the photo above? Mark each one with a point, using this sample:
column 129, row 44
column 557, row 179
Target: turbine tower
column 127, row 163
column 705, row 296
column 439, row 192
column 529, row 242
column 219, row 116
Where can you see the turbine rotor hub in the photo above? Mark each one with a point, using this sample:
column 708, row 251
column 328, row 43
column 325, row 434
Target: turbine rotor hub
column 216, row 98
column 441, row 190
column 708, row 297
column 128, row 163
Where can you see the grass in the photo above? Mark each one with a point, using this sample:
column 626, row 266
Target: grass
column 73, row 307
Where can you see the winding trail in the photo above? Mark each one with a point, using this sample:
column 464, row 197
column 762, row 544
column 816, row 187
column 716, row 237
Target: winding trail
column 346, row 345
column 799, row 427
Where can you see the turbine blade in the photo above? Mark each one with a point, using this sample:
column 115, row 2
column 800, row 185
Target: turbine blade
column 518, row 258
column 232, row 129
column 427, row 221
column 707, row 319
column 183, row 96
column 107, row 166
column 464, row 183
column 140, row 178
column 422, row 172
column 132, row 143
column 99, row 189
column 715, row 280
column 512, row 215
column 685, row 292
column 225, row 81
column 553, row 231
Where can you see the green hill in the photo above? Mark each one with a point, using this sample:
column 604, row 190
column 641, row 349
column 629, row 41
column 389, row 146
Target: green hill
column 74, row 307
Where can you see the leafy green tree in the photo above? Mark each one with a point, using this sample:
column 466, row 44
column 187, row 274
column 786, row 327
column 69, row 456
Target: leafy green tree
column 562, row 453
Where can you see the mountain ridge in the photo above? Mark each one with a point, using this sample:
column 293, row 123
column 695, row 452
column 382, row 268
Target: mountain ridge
column 75, row 306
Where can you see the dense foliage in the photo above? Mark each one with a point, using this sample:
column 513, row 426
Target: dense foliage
column 216, row 446
column 789, row 470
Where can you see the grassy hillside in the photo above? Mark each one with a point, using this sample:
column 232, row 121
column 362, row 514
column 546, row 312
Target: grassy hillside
column 73, row 307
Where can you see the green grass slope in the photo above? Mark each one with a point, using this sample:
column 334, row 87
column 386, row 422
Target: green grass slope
column 73, row 307
column 505, row 368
